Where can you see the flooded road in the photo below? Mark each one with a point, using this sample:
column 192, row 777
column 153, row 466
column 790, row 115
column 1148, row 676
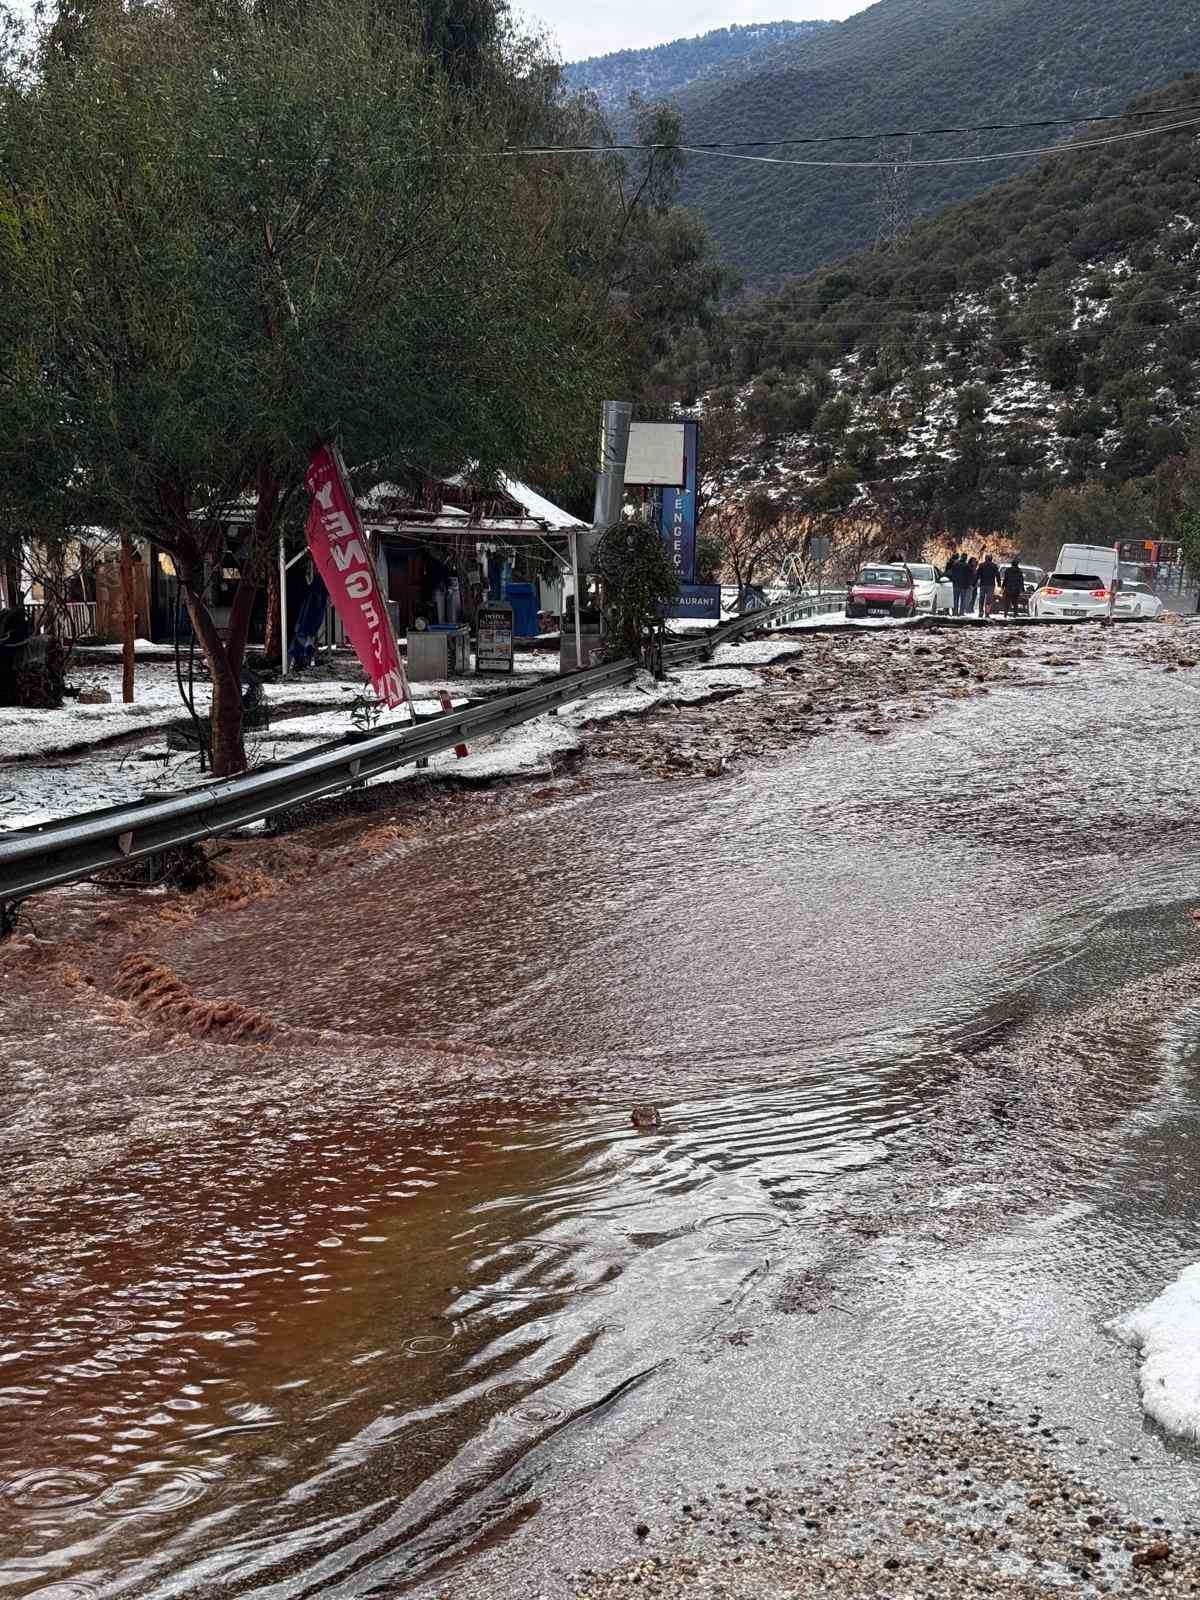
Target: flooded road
column 396, row 1298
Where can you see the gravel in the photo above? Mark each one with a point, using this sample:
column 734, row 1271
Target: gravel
column 943, row 1503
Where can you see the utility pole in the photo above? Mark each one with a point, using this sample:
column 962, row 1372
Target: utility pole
column 894, row 196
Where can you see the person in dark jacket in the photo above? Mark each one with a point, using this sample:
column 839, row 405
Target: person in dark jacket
column 970, row 582
column 1012, row 587
column 956, row 572
column 987, row 577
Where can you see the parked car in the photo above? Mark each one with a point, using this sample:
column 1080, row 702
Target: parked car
column 880, row 590
column 933, row 592
column 1072, row 596
column 1138, row 600
column 1034, row 577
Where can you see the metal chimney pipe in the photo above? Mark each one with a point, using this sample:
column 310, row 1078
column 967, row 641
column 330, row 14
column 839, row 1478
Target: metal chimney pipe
column 615, row 417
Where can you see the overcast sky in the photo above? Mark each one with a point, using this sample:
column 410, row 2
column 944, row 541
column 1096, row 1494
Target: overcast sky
column 585, row 28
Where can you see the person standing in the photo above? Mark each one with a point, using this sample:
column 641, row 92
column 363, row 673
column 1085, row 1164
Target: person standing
column 970, row 585
column 954, row 571
column 987, row 577
column 1012, row 587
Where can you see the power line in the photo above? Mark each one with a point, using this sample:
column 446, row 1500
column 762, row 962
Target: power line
column 847, row 138
column 943, row 161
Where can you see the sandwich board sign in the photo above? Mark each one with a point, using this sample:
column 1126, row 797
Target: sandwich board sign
column 494, row 637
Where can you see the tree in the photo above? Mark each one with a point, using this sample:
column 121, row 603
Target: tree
column 750, row 530
column 638, row 581
column 229, row 233
column 1090, row 513
column 1187, row 523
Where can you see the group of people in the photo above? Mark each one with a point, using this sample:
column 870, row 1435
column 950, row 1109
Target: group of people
column 975, row 582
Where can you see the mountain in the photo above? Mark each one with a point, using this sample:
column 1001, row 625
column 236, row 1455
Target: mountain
column 1040, row 338
column 665, row 69
column 911, row 64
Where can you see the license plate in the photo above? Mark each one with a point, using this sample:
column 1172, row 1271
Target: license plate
column 1074, row 611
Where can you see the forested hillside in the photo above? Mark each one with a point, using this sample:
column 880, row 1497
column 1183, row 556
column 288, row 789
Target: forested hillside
column 1042, row 335
column 665, row 69
column 907, row 64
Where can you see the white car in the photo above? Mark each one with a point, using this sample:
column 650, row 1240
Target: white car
column 1071, row 597
column 933, row 593
column 1138, row 600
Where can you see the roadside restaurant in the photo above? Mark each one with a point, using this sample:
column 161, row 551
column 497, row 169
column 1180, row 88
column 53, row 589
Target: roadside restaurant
column 440, row 550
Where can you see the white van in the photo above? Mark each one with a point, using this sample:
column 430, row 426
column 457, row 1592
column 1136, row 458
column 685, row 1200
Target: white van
column 1083, row 583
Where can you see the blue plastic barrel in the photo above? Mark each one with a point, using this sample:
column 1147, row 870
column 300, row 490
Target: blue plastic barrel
column 522, row 597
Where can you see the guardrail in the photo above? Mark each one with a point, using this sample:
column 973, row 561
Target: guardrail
column 72, row 848
column 777, row 615
column 76, row 847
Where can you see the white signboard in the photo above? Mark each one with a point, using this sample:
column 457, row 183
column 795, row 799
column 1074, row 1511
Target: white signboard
column 656, row 455
column 494, row 637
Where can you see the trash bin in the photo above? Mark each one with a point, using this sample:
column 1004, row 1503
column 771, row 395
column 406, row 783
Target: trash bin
column 440, row 651
column 522, row 597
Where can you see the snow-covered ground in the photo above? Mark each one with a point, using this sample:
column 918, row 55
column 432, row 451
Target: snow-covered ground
column 755, row 652
column 758, row 652
column 157, row 703
column 141, row 647
column 1167, row 1333
column 35, row 792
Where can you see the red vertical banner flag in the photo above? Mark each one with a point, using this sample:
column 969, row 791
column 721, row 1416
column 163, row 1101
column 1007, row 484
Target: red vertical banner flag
column 342, row 555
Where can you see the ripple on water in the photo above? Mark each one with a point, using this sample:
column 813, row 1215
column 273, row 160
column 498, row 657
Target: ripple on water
column 535, row 1249
column 46, row 1490
column 428, row 1344
column 65, row 1591
column 731, row 1229
column 155, row 1492
column 542, row 1411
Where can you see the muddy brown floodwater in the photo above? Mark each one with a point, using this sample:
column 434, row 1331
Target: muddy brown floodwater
column 383, row 1291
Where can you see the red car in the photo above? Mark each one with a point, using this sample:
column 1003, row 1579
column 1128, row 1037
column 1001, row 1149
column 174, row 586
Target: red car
column 881, row 591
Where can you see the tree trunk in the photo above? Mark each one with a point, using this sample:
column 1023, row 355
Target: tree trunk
column 128, row 618
column 12, row 574
column 266, row 548
column 228, row 742
column 272, row 644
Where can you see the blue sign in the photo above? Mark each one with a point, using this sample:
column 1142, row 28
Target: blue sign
column 698, row 600
column 678, row 516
